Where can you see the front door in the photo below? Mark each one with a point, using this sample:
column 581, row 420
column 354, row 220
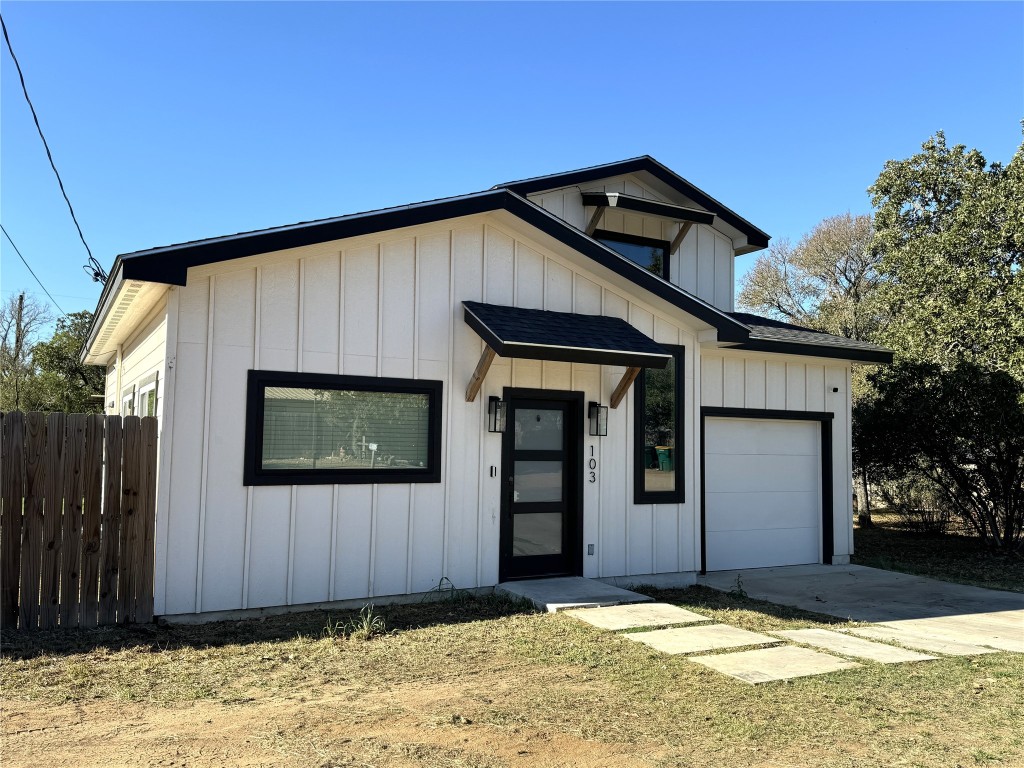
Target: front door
column 541, row 476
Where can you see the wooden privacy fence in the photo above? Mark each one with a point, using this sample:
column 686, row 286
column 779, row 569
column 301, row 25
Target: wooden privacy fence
column 77, row 519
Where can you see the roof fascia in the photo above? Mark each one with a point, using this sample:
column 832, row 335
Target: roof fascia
column 817, row 350
column 756, row 237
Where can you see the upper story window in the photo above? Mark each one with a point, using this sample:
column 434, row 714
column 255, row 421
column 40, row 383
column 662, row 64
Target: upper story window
column 306, row 428
column 649, row 253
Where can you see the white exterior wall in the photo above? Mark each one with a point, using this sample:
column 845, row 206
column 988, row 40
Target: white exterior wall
column 388, row 305
column 702, row 265
column 142, row 354
column 735, row 379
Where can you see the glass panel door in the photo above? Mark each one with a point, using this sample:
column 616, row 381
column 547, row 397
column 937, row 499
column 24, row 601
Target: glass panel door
column 539, row 509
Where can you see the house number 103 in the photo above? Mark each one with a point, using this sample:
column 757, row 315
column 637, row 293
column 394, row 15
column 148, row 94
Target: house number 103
column 592, row 465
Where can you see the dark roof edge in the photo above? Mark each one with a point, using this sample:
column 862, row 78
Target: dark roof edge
column 878, row 356
column 170, row 264
column 755, row 236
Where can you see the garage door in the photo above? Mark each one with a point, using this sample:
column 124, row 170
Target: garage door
column 762, row 493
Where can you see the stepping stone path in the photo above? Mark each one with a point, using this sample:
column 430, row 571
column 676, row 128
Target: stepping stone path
column 768, row 664
column 921, row 641
column 763, row 665
column 707, row 637
column 852, row 646
column 617, row 617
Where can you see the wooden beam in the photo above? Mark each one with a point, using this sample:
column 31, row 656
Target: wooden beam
column 478, row 375
column 680, row 236
column 624, row 384
column 595, row 219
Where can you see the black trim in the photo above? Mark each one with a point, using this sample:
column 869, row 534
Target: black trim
column 827, row 509
column 170, row 264
column 573, row 483
column 755, row 236
column 621, row 237
column 816, row 350
column 258, row 381
column 678, row 494
column 649, row 207
column 513, row 331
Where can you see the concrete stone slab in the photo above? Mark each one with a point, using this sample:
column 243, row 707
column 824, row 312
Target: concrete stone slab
column 837, row 642
column 1004, row 631
column 867, row 594
column 921, row 641
column 618, row 617
column 570, row 592
column 708, row 637
column 767, row 664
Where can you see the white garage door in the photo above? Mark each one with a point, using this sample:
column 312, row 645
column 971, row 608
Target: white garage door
column 762, row 493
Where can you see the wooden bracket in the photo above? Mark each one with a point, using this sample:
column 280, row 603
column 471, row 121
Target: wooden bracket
column 624, row 384
column 680, row 236
column 595, row 219
column 486, row 358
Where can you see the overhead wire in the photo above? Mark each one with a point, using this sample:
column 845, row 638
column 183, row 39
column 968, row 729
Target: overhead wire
column 25, row 262
column 93, row 267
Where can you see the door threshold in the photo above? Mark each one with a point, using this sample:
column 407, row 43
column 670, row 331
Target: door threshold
column 566, row 592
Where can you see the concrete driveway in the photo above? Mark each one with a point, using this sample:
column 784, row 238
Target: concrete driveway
column 912, row 607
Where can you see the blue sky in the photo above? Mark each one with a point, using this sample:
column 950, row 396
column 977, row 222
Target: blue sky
column 178, row 121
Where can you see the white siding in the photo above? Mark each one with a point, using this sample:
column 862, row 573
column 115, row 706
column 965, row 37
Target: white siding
column 390, row 306
column 751, row 380
column 703, row 263
column 142, row 355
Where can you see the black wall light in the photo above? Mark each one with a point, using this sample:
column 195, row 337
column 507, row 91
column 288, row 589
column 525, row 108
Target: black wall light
column 598, row 415
column 496, row 411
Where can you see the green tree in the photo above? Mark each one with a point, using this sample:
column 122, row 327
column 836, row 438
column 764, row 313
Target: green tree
column 950, row 228
column 62, row 382
column 827, row 281
column 22, row 318
column 962, row 430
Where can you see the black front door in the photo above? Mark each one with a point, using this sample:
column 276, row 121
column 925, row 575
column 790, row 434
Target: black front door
column 541, row 485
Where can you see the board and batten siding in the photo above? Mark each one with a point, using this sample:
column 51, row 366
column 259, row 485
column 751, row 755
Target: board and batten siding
column 734, row 379
column 704, row 263
column 142, row 354
column 388, row 306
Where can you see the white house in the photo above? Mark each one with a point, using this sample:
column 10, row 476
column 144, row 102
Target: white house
column 327, row 393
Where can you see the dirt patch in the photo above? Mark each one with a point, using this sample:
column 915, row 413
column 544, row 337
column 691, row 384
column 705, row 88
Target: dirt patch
column 440, row 725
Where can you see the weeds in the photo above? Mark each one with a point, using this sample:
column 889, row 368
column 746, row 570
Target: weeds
column 737, row 588
column 365, row 626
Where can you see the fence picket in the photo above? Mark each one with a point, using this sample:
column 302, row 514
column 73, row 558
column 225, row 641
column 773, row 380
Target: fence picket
column 71, row 521
column 77, row 519
column 32, row 524
column 92, row 515
column 127, row 578
column 52, row 512
column 144, row 595
column 11, row 517
column 111, row 528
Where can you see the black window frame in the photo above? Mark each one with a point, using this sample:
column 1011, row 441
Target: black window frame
column 640, row 494
column 258, row 381
column 604, row 234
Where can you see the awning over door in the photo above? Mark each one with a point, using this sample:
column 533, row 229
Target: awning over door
column 538, row 334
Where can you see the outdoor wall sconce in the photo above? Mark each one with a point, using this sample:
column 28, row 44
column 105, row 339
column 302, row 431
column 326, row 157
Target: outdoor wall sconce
column 496, row 410
column 598, row 415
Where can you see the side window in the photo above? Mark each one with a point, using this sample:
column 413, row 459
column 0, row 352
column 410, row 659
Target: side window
column 128, row 401
column 148, row 396
column 658, row 436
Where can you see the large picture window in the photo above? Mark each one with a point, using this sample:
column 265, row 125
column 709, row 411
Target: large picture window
column 322, row 429
column 658, row 436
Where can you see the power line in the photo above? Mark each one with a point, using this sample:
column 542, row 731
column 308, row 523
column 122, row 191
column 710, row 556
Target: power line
column 31, row 270
column 93, row 267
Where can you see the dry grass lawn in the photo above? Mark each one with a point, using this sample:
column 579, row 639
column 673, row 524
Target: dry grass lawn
column 482, row 682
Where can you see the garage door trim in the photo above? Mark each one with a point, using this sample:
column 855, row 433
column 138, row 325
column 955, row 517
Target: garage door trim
column 826, row 467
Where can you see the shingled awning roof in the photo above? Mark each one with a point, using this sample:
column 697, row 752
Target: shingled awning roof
column 539, row 334
column 769, row 335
